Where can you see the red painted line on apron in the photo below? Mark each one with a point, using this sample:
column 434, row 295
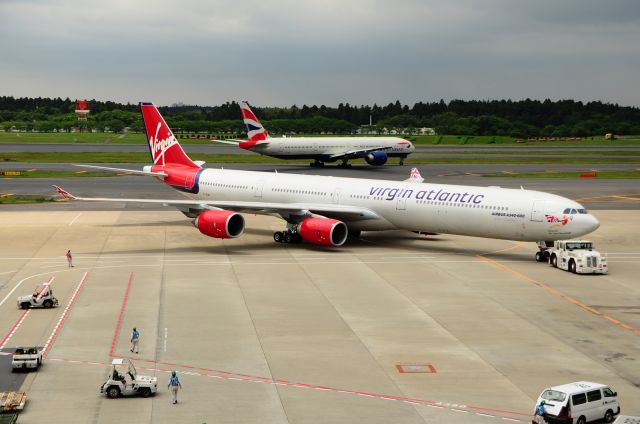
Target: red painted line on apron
column 18, row 323
column 116, row 333
column 14, row 328
column 65, row 314
column 262, row 380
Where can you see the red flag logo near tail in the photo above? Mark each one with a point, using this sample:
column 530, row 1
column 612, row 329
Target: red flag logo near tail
column 164, row 147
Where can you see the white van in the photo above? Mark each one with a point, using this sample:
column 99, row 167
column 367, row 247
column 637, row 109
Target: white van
column 579, row 403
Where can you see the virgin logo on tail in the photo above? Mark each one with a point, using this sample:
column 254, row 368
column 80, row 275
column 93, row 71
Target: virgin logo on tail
column 160, row 146
column 164, row 146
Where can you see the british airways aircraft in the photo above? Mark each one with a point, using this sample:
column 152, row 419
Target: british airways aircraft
column 374, row 150
column 325, row 210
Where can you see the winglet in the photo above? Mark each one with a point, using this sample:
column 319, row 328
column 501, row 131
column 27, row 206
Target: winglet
column 415, row 176
column 65, row 194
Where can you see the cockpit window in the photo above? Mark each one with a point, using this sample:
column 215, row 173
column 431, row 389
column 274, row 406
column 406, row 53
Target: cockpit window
column 573, row 211
column 567, row 211
column 582, row 211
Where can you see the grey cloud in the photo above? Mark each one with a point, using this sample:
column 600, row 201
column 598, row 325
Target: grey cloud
column 282, row 52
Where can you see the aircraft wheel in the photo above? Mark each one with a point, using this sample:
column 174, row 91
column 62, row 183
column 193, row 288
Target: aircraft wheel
column 288, row 237
column 278, row 236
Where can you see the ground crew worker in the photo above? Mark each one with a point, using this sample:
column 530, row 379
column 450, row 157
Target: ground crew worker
column 174, row 385
column 69, row 259
column 539, row 415
column 135, row 336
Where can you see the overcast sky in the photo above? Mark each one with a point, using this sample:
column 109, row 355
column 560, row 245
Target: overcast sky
column 284, row 52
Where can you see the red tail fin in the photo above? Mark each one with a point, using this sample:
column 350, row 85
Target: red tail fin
column 163, row 145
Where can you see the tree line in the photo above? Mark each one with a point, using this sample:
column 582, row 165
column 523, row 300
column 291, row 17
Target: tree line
column 522, row 118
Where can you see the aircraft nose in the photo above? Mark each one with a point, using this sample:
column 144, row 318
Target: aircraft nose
column 593, row 223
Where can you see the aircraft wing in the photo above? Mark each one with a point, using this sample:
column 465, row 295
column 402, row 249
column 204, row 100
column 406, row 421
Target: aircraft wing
column 358, row 153
column 344, row 212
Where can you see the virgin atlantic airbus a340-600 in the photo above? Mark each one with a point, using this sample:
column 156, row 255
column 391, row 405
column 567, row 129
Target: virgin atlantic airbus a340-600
column 325, row 210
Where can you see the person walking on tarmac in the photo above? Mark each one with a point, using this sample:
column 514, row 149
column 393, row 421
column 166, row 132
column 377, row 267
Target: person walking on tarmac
column 174, row 385
column 69, row 259
column 135, row 336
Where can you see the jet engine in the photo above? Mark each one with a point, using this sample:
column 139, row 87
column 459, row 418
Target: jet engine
column 323, row 231
column 376, row 158
column 220, row 224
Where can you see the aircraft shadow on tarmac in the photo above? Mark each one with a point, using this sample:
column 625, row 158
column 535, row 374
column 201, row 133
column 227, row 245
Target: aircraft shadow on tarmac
column 404, row 241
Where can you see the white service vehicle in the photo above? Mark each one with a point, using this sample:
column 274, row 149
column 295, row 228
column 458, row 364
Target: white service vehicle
column 579, row 403
column 26, row 358
column 125, row 381
column 42, row 297
column 577, row 256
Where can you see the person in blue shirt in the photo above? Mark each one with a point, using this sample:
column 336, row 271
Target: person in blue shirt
column 135, row 336
column 174, row 385
column 539, row 416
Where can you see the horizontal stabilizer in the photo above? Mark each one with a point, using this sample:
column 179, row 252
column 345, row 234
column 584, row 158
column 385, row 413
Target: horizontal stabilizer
column 124, row 171
column 415, row 176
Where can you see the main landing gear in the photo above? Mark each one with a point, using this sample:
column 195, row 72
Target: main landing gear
column 286, row 237
column 316, row 164
column 401, row 162
column 542, row 255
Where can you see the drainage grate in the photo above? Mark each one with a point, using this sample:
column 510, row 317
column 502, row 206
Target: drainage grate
column 416, row 368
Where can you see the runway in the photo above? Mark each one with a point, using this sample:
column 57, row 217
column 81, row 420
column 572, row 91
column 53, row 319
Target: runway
column 594, row 193
column 393, row 328
column 210, row 147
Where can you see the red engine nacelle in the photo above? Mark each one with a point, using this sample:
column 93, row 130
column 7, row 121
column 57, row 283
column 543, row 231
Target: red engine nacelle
column 220, row 224
column 323, row 231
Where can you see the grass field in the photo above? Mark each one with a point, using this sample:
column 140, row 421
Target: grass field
column 100, row 138
column 18, row 200
column 471, row 140
column 58, row 174
column 632, row 174
column 519, row 152
column 130, row 157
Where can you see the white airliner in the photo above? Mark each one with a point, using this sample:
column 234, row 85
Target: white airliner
column 374, row 150
column 324, row 210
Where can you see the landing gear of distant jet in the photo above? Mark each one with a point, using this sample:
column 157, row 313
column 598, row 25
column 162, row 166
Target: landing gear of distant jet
column 401, row 162
column 286, row 237
column 316, row 164
column 345, row 164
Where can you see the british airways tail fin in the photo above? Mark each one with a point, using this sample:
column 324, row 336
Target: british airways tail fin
column 255, row 131
column 163, row 145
